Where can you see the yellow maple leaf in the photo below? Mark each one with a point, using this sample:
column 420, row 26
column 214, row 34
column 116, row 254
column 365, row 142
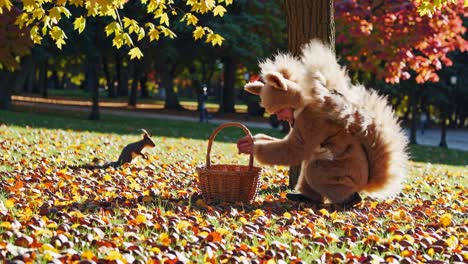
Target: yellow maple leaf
column 115, row 255
column 259, row 212
column 214, row 39
column 55, row 14
column 324, row 211
column 112, row 27
column 128, row 40
column 10, row 203
column 141, row 33
column 80, row 24
column 6, row 225
column 35, row 35
column 165, row 239
column 167, row 32
column 140, row 219
column 452, row 242
column 164, row 19
column 118, row 40
column 198, row 32
column 58, row 35
column 445, row 220
column 191, row 19
column 27, row 4
column 127, row 22
column 243, row 220
column 219, row 11
column 183, row 225
column 5, row 4
column 155, row 250
column 431, row 252
column 87, row 255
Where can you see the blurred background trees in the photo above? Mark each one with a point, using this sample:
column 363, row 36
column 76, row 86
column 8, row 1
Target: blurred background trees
column 412, row 51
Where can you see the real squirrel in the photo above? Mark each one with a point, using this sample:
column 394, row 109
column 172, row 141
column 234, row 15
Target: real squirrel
column 346, row 138
column 128, row 153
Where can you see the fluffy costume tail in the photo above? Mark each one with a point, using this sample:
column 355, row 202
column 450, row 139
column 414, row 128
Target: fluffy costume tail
column 364, row 113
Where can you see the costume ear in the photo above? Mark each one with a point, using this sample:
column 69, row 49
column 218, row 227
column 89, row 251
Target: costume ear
column 254, row 87
column 276, row 80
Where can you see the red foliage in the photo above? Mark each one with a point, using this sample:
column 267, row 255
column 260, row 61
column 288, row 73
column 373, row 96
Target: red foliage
column 390, row 39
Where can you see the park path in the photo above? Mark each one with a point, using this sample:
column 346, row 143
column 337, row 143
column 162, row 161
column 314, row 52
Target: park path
column 456, row 139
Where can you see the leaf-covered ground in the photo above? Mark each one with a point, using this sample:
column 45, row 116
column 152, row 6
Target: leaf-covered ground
column 152, row 212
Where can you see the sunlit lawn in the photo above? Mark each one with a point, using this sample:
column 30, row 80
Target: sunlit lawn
column 152, row 210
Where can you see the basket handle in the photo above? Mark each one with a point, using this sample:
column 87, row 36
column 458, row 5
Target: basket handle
column 217, row 130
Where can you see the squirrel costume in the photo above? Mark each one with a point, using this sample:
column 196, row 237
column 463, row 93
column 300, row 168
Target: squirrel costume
column 346, row 138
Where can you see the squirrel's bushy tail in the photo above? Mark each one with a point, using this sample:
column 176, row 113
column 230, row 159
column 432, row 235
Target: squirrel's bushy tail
column 386, row 145
column 364, row 113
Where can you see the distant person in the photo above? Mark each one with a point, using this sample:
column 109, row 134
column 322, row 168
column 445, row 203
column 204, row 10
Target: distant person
column 202, row 97
column 422, row 122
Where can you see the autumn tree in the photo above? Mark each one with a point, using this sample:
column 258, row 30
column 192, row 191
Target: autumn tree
column 14, row 43
column 253, row 30
column 43, row 20
column 390, row 41
column 429, row 7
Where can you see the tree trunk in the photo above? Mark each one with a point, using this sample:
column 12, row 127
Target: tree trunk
column 229, row 93
column 307, row 20
column 133, row 92
column 94, row 87
column 443, row 126
column 43, row 79
column 28, row 69
column 144, row 85
column 122, row 87
column 414, row 97
column 65, row 82
column 94, row 61
column 55, row 80
column 36, row 89
column 6, row 79
column 110, row 83
column 29, row 86
column 171, row 101
column 125, row 77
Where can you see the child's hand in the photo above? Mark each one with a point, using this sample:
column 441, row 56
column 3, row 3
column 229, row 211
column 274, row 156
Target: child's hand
column 245, row 145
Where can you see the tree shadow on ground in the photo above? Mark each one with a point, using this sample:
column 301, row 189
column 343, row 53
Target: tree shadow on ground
column 278, row 207
column 178, row 129
column 124, row 125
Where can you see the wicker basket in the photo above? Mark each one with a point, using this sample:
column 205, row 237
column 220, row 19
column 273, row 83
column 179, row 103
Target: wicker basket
column 231, row 183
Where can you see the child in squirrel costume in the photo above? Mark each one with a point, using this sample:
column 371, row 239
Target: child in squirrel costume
column 346, row 138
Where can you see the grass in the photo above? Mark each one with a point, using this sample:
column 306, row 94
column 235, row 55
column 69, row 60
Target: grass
column 438, row 155
column 152, row 209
